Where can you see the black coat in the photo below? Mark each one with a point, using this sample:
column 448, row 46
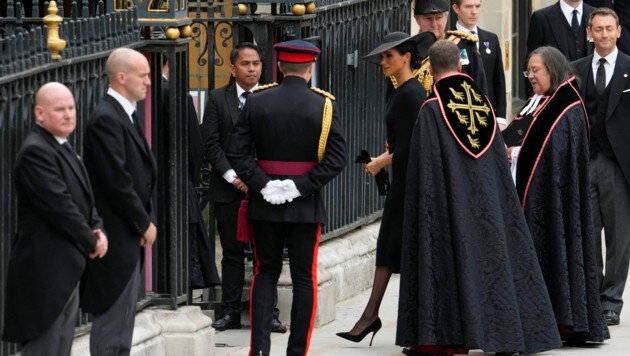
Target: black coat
column 56, row 217
column 284, row 124
column 123, row 171
column 552, row 180
column 219, row 118
column 549, row 27
column 617, row 125
column 493, row 67
column 622, row 8
column 470, row 274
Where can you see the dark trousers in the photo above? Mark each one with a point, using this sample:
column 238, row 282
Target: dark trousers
column 302, row 241
column 112, row 330
column 610, row 200
column 57, row 339
column 233, row 261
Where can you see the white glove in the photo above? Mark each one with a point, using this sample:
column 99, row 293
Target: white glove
column 289, row 190
column 273, row 192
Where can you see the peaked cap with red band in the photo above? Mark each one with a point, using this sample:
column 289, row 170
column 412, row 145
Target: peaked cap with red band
column 296, row 51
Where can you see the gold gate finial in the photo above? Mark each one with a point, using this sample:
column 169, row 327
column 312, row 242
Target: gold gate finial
column 55, row 43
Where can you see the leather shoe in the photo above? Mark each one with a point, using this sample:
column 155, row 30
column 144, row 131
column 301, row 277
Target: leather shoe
column 277, row 326
column 227, row 321
column 612, row 318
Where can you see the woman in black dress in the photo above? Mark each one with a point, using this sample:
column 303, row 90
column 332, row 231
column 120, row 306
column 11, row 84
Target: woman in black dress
column 399, row 55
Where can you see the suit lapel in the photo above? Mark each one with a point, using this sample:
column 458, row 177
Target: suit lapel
column 617, row 83
column 73, row 161
column 554, row 17
column 232, row 101
column 124, row 118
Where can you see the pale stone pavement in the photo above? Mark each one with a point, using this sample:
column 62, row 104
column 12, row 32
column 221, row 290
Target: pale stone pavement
column 325, row 342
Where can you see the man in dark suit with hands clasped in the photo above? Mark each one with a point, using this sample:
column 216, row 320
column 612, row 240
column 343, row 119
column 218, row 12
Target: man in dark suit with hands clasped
column 58, row 230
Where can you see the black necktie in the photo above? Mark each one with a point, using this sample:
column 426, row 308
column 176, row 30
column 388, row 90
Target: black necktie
column 244, row 96
column 475, row 34
column 600, row 79
column 136, row 124
column 575, row 25
column 67, row 147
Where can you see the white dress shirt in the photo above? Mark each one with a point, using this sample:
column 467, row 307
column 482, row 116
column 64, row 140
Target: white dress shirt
column 567, row 10
column 611, row 60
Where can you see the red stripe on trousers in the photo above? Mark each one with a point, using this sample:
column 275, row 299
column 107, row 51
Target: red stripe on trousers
column 314, row 280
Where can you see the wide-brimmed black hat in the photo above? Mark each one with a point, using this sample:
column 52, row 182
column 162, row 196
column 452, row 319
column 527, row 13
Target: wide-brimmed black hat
column 423, row 40
column 424, row 7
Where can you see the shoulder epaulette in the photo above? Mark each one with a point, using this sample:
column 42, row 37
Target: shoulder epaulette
column 323, row 93
column 263, row 87
column 464, row 35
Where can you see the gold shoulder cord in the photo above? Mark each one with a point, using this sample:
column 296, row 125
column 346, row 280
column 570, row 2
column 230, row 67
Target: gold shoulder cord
column 326, row 123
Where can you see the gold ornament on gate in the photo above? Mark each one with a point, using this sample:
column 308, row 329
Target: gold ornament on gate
column 310, row 8
column 242, row 9
column 172, row 33
column 185, row 31
column 52, row 20
column 298, row 9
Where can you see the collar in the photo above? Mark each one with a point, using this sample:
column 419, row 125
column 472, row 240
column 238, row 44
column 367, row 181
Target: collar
column 59, row 139
column 567, row 9
column 127, row 105
column 611, row 58
column 461, row 28
column 240, row 91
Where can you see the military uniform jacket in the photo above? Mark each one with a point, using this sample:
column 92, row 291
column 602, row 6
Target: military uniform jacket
column 56, row 217
column 284, row 124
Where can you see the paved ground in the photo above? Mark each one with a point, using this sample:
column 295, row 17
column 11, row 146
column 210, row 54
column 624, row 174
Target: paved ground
column 325, row 342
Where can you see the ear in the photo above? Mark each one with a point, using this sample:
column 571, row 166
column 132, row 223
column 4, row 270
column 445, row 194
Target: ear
column 233, row 70
column 588, row 35
column 430, row 68
column 39, row 113
column 459, row 66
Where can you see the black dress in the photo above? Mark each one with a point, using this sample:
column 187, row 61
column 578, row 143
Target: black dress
column 402, row 108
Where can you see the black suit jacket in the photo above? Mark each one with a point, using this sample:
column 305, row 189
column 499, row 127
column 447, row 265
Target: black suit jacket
column 622, row 8
column 56, row 217
column 617, row 120
column 219, row 118
column 493, row 66
column 123, row 171
column 547, row 28
column 284, row 124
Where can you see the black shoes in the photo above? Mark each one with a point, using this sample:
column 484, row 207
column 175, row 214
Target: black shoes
column 372, row 328
column 277, row 326
column 227, row 321
column 612, row 317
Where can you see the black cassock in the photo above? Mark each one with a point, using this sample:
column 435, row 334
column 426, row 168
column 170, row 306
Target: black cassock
column 470, row 276
column 552, row 179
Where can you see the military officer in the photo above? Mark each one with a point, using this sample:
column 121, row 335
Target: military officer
column 299, row 148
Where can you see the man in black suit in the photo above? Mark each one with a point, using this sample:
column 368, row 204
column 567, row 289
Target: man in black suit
column 58, row 229
column 563, row 26
column 226, row 189
column 605, row 88
column 299, row 148
column 490, row 50
column 123, row 171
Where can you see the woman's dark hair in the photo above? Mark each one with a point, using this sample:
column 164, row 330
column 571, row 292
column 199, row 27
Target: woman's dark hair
column 412, row 48
column 557, row 65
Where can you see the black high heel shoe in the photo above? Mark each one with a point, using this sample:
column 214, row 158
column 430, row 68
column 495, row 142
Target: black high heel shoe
column 372, row 328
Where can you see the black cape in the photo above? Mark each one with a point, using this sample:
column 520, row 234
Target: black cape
column 470, row 274
column 552, row 179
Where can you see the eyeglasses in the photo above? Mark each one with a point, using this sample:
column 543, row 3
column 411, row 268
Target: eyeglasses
column 532, row 71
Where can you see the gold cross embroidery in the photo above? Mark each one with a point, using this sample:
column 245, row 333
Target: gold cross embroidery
column 471, row 113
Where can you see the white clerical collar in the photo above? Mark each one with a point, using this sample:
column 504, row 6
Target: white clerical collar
column 461, row 28
column 240, row 91
column 127, row 105
column 567, row 10
column 611, row 58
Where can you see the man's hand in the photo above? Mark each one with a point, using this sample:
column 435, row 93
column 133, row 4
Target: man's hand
column 101, row 245
column 273, row 193
column 289, row 190
column 373, row 167
column 239, row 184
column 148, row 237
